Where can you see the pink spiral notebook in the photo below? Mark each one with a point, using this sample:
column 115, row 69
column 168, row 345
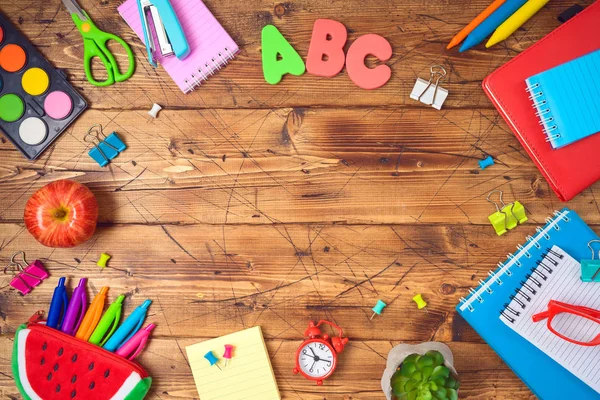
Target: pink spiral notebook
column 211, row 46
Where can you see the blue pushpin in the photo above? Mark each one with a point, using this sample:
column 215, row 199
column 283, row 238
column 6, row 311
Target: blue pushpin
column 212, row 359
column 378, row 308
column 486, row 162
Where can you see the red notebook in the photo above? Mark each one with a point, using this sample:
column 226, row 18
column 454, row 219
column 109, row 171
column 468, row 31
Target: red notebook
column 573, row 168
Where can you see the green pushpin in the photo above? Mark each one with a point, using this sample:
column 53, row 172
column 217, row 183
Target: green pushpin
column 378, row 308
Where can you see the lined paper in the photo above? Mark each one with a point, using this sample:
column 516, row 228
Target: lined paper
column 571, row 92
column 563, row 284
column 205, row 35
column 248, row 375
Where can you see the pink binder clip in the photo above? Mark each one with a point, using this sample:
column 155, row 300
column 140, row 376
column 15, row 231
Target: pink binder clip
column 26, row 278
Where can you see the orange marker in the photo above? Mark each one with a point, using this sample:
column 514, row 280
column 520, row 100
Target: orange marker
column 460, row 36
column 92, row 316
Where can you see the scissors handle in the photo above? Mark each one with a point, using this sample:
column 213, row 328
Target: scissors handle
column 101, row 39
column 94, row 45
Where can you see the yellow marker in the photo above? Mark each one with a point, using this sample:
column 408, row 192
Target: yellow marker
column 521, row 16
column 420, row 302
column 92, row 316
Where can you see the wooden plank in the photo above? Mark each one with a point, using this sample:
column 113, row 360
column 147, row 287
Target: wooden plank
column 206, row 280
column 418, row 32
column 354, row 166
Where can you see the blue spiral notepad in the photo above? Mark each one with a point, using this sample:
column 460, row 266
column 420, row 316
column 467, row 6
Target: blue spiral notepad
column 546, row 378
column 567, row 99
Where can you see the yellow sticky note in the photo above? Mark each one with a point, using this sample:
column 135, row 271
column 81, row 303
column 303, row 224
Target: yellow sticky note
column 248, row 375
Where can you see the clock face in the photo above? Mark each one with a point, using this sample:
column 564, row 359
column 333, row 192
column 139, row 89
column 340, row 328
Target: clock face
column 316, row 359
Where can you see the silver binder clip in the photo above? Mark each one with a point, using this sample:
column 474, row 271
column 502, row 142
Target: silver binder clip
column 431, row 93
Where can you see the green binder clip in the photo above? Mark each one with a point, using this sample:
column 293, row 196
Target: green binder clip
column 519, row 212
column 590, row 269
column 507, row 217
column 497, row 219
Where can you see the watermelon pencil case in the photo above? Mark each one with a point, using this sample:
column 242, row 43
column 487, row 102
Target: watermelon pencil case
column 51, row 365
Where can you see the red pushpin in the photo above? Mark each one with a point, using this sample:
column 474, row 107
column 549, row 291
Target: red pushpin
column 227, row 355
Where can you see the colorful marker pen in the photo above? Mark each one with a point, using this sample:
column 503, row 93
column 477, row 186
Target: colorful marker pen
column 108, row 323
column 76, row 309
column 135, row 345
column 58, row 306
column 128, row 328
column 92, row 316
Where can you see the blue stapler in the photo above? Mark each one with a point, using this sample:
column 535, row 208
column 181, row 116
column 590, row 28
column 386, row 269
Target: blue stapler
column 167, row 30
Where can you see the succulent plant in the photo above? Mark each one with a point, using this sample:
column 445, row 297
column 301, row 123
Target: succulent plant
column 424, row 377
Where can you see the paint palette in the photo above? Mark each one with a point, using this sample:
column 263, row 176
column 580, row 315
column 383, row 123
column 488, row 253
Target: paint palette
column 36, row 102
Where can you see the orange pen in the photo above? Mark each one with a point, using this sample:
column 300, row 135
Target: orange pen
column 92, row 316
column 460, row 36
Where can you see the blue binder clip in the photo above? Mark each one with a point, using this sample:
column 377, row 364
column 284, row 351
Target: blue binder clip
column 590, row 269
column 105, row 148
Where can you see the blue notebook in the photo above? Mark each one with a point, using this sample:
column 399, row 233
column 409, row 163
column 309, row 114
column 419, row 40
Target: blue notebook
column 547, row 379
column 567, row 99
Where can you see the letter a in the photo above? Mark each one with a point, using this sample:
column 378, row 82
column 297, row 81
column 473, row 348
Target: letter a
column 328, row 40
column 274, row 46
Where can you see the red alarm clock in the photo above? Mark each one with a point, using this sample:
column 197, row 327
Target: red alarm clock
column 316, row 358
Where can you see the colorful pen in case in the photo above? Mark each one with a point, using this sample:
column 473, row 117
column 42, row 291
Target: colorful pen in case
column 92, row 316
column 76, row 309
column 108, row 323
column 135, row 345
column 58, row 306
column 128, row 328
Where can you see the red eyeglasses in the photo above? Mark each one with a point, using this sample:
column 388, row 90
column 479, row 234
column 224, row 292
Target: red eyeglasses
column 587, row 316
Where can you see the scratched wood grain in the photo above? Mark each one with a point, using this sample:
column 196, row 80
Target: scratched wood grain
column 279, row 277
column 294, row 165
column 417, row 30
column 245, row 203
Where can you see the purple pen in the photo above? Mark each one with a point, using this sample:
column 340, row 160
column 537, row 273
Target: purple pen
column 76, row 309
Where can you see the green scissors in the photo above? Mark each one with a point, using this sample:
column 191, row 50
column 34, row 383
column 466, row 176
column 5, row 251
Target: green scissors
column 94, row 45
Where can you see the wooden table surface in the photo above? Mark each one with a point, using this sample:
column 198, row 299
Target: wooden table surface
column 249, row 204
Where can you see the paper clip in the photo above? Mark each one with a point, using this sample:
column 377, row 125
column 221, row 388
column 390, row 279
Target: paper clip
column 423, row 91
column 590, row 269
column 26, row 278
column 105, row 147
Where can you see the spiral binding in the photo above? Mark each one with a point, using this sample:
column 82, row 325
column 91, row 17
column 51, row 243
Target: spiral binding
column 531, row 285
column 543, row 113
column 207, row 70
column 534, row 280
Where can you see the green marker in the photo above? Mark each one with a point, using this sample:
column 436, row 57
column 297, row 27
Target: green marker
column 109, row 321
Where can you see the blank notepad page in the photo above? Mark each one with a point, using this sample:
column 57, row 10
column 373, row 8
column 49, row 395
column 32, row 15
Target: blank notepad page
column 557, row 277
column 248, row 375
column 567, row 99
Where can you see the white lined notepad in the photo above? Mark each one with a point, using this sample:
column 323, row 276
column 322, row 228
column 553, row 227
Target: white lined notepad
column 248, row 375
column 557, row 277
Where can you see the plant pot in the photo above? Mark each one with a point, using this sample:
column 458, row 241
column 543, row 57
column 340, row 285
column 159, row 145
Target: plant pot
column 397, row 355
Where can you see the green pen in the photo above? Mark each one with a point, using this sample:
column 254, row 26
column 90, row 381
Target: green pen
column 109, row 321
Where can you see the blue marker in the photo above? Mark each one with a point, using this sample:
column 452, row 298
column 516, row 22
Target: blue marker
column 128, row 328
column 58, row 306
column 490, row 24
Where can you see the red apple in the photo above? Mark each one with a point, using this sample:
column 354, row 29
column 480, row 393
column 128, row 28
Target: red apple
column 62, row 214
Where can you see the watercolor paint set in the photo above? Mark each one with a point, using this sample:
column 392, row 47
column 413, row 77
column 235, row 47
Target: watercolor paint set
column 37, row 103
